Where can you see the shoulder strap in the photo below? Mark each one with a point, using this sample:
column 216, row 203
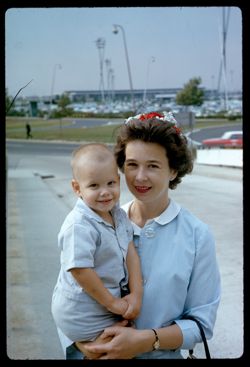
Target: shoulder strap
column 202, row 335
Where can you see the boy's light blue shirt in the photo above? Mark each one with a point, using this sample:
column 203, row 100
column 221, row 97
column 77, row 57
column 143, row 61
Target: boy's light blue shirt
column 180, row 273
column 88, row 241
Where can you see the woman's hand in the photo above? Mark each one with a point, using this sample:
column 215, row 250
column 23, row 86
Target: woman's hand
column 99, row 341
column 87, row 354
column 124, row 344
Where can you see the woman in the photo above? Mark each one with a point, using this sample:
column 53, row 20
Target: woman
column 176, row 249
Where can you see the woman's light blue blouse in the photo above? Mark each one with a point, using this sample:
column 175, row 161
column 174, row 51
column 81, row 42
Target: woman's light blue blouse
column 180, row 274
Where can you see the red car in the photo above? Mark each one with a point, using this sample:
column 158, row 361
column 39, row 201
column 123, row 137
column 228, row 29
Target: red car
column 230, row 139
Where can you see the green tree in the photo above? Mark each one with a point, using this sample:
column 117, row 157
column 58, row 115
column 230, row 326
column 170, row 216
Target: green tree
column 63, row 110
column 191, row 94
column 63, row 102
column 8, row 99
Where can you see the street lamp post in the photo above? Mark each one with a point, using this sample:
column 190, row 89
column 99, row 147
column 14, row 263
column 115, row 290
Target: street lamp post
column 115, row 31
column 112, row 82
column 232, row 84
column 59, row 66
column 108, row 65
column 100, row 43
column 212, row 88
column 151, row 60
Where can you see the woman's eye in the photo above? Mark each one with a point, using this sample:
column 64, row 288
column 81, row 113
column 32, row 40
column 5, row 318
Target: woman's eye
column 131, row 164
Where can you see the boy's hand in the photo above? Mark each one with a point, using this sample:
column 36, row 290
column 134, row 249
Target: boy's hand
column 119, row 306
column 134, row 306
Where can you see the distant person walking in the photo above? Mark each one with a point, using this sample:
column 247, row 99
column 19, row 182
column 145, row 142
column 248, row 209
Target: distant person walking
column 28, row 131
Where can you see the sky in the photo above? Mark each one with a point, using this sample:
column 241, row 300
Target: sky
column 56, row 48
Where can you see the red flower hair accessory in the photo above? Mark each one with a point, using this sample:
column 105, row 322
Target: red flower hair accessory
column 150, row 115
column 164, row 116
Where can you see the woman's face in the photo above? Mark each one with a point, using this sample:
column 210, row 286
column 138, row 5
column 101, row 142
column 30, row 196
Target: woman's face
column 147, row 171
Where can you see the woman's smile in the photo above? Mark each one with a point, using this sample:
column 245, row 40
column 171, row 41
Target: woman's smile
column 142, row 189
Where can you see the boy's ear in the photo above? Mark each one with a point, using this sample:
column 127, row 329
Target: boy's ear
column 76, row 187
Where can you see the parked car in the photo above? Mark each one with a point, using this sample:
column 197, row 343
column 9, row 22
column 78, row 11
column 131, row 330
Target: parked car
column 230, row 139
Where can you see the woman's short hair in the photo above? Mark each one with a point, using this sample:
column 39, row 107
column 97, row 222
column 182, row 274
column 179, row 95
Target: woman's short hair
column 161, row 132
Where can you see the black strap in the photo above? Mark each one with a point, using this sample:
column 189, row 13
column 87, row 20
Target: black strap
column 202, row 335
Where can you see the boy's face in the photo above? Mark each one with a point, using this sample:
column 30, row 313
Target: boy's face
column 98, row 184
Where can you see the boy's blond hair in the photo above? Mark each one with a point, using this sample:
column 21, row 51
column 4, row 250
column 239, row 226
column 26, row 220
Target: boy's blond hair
column 94, row 151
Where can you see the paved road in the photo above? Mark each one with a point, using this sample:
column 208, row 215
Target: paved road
column 197, row 134
column 213, row 131
column 38, row 198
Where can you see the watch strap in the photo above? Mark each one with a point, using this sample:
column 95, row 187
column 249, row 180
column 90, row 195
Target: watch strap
column 156, row 344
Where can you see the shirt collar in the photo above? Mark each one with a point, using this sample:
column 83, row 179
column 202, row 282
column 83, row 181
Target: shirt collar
column 169, row 213
column 83, row 207
column 165, row 217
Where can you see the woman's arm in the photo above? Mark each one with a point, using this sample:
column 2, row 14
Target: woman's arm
column 128, row 342
column 89, row 280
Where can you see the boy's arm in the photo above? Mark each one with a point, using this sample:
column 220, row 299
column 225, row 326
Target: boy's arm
column 134, row 270
column 89, row 280
column 135, row 283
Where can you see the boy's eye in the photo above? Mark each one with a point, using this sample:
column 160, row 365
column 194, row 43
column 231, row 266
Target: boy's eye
column 93, row 185
column 111, row 183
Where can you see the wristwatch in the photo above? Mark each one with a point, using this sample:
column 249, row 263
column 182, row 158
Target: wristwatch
column 156, row 344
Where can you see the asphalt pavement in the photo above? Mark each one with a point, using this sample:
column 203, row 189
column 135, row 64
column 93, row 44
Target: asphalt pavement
column 39, row 196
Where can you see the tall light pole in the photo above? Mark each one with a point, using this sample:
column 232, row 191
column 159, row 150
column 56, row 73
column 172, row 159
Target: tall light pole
column 108, row 65
column 232, row 85
column 112, row 77
column 115, row 31
column 212, row 95
column 59, row 66
column 222, row 72
column 151, row 60
column 100, row 43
